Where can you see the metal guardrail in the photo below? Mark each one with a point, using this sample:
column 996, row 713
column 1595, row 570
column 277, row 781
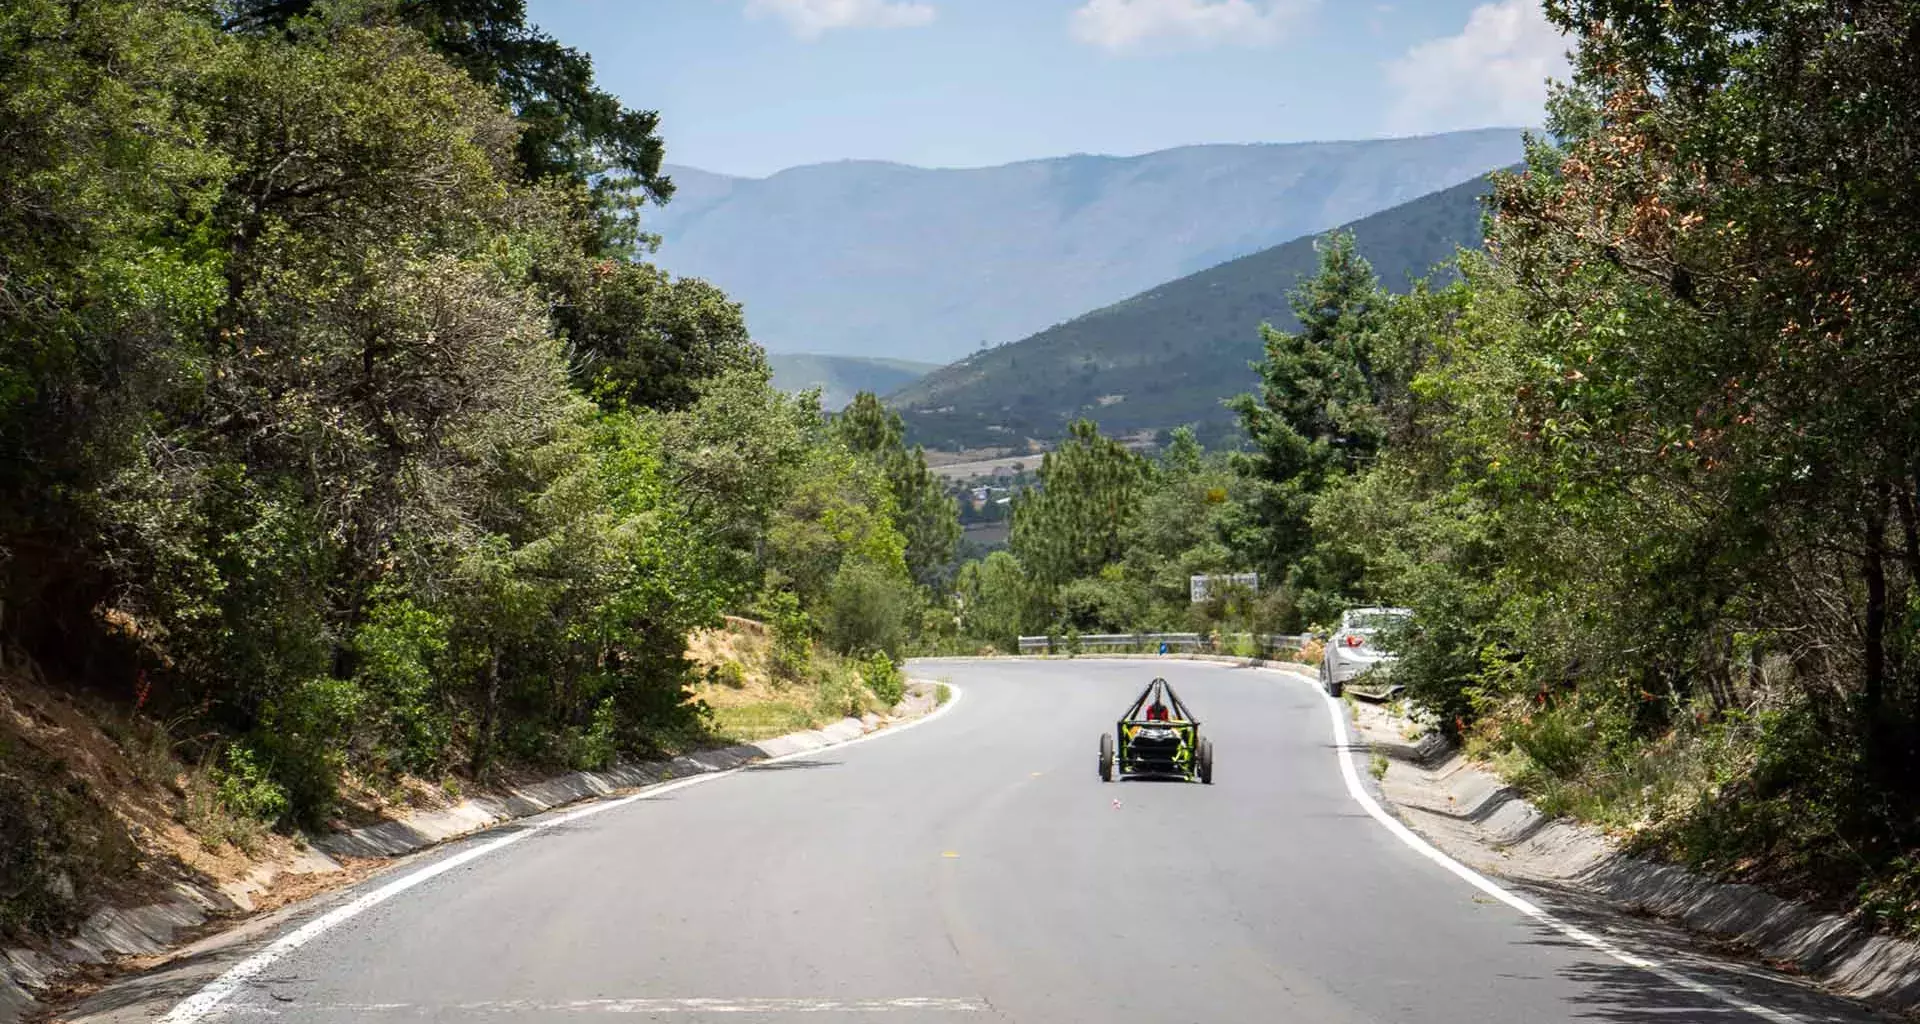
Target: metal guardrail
column 1267, row 642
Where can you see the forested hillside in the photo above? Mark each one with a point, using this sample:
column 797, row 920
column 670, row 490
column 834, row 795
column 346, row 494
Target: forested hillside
column 345, row 439
column 1644, row 470
column 1170, row 356
column 864, row 258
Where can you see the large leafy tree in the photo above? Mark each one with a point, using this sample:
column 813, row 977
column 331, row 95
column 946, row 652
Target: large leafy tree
column 924, row 513
column 288, row 424
column 107, row 276
column 570, row 128
column 1656, row 483
column 995, row 601
column 641, row 338
column 1181, row 525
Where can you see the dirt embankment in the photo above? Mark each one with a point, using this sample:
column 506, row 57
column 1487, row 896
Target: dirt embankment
column 104, row 810
column 742, row 681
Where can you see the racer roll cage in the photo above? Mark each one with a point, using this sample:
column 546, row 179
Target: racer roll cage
column 1154, row 689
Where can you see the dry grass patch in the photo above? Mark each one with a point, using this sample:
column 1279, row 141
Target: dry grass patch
column 749, row 702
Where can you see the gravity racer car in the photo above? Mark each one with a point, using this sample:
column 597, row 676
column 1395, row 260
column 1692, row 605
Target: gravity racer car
column 1144, row 745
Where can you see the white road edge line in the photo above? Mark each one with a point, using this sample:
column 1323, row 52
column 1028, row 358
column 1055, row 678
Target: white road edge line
column 1343, row 741
column 197, row 1006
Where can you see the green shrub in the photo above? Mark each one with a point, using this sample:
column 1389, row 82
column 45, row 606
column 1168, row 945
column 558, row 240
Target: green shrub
column 245, row 790
column 730, row 674
column 868, row 610
column 399, row 648
column 884, row 678
column 599, row 745
column 1557, row 740
column 302, row 744
column 792, row 650
column 1892, row 900
column 841, row 693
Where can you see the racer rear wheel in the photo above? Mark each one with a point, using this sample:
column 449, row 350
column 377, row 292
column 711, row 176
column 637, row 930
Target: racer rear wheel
column 1106, row 757
column 1206, row 761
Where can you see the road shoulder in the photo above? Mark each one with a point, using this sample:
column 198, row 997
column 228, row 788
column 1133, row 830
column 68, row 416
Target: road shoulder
column 1470, row 814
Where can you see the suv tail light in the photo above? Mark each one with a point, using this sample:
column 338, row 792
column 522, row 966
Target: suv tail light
column 1353, row 640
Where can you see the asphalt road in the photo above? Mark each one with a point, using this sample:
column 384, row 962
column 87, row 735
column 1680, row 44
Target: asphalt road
column 975, row 869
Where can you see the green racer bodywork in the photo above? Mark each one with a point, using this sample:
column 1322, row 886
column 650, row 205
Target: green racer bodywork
column 1169, row 748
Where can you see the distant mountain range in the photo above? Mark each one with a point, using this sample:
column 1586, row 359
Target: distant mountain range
column 878, row 259
column 1168, row 356
column 839, row 378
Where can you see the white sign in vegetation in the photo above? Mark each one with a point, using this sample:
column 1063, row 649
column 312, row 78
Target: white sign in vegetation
column 1201, row 587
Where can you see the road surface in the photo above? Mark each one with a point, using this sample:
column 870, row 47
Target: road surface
column 975, row 869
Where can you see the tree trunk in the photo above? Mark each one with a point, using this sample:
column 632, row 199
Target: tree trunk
column 1910, row 527
column 1874, row 564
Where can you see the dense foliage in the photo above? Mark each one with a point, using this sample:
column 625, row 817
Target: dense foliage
column 1107, row 540
column 342, row 426
column 1645, row 469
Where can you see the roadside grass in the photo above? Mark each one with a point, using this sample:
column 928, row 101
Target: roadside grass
column 1573, row 761
column 750, row 722
column 942, row 694
column 213, row 822
column 749, row 700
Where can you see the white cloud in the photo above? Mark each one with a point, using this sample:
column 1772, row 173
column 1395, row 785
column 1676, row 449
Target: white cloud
column 809, row 19
column 1125, row 25
column 1493, row 73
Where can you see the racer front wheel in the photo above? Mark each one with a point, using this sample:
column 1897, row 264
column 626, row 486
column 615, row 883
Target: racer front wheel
column 1106, row 757
column 1206, row 761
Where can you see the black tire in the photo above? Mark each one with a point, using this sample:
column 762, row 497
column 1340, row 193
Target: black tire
column 1106, row 757
column 1206, row 761
column 1326, row 683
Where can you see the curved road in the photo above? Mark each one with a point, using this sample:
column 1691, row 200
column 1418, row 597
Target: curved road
column 974, row 869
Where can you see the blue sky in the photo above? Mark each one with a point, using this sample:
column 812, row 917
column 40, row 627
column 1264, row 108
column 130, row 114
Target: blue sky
column 754, row 86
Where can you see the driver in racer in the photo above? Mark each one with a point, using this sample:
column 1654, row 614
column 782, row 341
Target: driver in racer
column 1158, row 712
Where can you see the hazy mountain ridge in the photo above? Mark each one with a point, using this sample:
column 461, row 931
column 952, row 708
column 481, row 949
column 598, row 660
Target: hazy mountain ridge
column 839, row 378
column 1167, row 356
column 882, row 259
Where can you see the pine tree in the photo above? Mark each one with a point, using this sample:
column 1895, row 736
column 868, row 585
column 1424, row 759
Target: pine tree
column 1315, row 416
column 1072, row 526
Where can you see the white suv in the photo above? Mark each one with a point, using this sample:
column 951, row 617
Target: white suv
column 1355, row 648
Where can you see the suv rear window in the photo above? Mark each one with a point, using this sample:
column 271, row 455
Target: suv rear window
column 1377, row 620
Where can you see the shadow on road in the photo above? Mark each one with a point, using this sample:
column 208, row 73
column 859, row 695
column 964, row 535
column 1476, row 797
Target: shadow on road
column 1613, row 991
column 789, row 766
